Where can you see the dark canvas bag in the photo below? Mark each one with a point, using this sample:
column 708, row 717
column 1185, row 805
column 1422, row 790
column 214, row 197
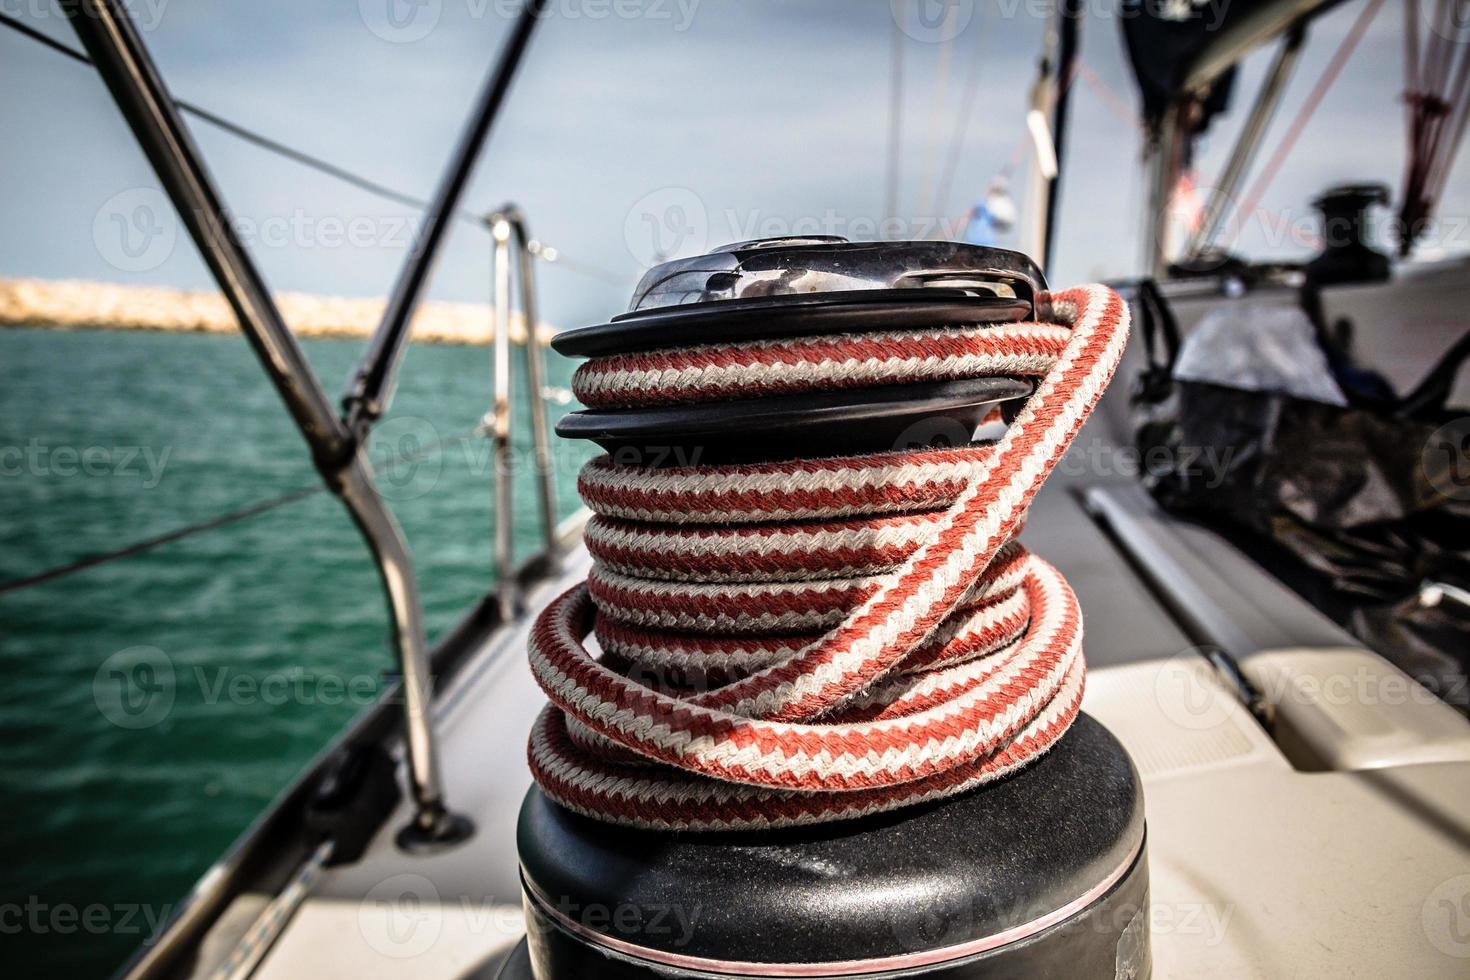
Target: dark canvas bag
column 1364, row 509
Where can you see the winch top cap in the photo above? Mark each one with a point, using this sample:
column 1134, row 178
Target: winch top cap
column 797, row 266
column 778, row 288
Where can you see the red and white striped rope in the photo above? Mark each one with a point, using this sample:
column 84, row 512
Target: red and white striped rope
column 812, row 640
column 775, row 367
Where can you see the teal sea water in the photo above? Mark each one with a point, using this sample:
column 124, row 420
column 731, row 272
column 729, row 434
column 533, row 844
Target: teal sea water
column 260, row 639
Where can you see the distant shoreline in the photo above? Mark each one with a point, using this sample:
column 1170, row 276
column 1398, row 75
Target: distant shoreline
column 69, row 304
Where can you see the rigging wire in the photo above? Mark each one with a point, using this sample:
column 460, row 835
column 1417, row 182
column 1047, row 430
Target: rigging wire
column 900, row 13
column 303, row 158
column 936, row 110
column 210, row 524
column 22, row 27
column 148, row 544
column 961, row 126
column 1309, row 107
column 1437, row 103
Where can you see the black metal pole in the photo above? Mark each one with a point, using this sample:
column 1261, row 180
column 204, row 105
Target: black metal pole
column 1068, row 41
column 372, row 386
column 120, row 57
column 1248, row 142
column 125, row 66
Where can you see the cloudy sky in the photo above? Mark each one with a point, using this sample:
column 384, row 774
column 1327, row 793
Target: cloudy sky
column 634, row 125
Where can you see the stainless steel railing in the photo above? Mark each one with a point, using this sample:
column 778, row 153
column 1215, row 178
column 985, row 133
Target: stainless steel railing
column 509, row 229
column 337, row 443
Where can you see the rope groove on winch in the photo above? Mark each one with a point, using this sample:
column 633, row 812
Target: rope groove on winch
column 810, row 640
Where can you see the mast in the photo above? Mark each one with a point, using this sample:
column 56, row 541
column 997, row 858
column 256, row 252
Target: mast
column 1069, row 36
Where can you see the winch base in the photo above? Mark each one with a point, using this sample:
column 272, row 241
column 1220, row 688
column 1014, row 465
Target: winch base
column 1041, row 874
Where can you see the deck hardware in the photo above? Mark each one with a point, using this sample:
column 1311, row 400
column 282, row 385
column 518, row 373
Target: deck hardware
column 511, row 235
column 371, row 391
column 831, row 797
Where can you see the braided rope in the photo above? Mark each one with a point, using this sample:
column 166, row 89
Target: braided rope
column 798, row 642
column 720, row 372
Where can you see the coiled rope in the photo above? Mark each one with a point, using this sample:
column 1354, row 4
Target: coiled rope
column 813, row 640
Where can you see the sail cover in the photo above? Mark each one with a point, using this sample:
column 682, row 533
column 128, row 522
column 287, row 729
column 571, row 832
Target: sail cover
column 1164, row 37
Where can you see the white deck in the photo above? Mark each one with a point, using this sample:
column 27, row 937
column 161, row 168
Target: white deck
column 1258, row 869
column 453, row 914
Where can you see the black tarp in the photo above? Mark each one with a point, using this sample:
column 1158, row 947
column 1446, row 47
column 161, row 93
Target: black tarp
column 1357, row 507
column 1164, row 37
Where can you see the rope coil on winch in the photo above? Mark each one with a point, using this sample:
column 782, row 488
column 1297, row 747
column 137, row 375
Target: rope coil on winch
column 812, row 640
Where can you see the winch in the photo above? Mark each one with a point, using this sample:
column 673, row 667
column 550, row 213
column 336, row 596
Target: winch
column 830, row 724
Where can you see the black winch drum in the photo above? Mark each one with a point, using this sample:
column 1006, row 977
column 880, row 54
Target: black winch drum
column 1040, row 874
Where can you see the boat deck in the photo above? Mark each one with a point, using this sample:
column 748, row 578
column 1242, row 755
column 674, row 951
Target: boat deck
column 1326, row 851
column 1337, row 866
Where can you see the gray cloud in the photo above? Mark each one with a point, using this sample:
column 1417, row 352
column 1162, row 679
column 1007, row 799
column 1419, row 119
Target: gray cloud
column 771, row 110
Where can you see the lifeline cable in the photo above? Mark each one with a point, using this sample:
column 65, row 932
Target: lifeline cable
column 812, row 640
column 311, row 161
